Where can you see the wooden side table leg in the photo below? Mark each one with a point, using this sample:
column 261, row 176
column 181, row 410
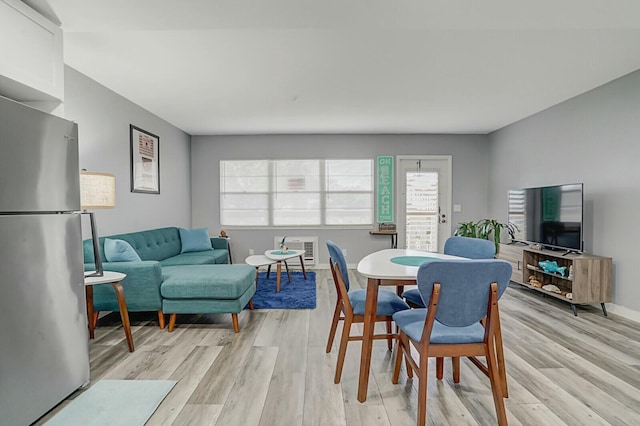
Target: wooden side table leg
column 124, row 314
column 278, row 271
column 303, row 270
column 90, row 316
column 286, row 265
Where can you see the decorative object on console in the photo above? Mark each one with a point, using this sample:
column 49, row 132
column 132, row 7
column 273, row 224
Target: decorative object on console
column 386, row 226
column 534, row 281
column 97, row 191
column 283, row 247
column 552, row 288
column 551, row 267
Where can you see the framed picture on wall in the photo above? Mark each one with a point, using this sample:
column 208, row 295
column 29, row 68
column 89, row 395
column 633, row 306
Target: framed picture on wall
column 145, row 161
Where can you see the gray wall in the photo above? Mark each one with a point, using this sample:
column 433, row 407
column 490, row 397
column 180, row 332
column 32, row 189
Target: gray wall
column 103, row 119
column 593, row 138
column 469, row 186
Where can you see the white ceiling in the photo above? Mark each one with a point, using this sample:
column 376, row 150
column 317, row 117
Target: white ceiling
column 348, row 66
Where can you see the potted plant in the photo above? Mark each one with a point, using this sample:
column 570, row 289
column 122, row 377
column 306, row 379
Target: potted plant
column 486, row 229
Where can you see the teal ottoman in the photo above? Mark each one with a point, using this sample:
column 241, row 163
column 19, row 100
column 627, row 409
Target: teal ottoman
column 207, row 289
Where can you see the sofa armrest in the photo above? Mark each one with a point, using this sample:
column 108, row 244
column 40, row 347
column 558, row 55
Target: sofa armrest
column 220, row 243
column 141, row 286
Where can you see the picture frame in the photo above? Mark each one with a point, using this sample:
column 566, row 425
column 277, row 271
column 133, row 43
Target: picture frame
column 145, row 161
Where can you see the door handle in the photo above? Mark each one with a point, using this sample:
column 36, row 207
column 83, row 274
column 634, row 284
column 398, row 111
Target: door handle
column 442, row 218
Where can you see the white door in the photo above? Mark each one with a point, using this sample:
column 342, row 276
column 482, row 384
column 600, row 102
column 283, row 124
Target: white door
column 424, row 185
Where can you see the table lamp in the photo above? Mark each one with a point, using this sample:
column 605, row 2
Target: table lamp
column 97, row 191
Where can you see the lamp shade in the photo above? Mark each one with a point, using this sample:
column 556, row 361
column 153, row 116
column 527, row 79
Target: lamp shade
column 97, row 190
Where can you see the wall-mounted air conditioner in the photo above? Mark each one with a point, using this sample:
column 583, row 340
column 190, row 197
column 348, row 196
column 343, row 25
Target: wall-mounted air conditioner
column 308, row 244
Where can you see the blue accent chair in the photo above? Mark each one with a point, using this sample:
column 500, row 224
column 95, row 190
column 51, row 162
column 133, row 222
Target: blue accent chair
column 351, row 303
column 461, row 319
column 471, row 248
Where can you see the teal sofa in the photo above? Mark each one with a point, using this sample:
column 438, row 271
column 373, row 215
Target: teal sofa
column 170, row 282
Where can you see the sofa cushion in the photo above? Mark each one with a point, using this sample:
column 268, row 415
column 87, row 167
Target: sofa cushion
column 193, row 258
column 194, row 239
column 206, row 281
column 154, row 244
column 208, row 306
column 119, row 251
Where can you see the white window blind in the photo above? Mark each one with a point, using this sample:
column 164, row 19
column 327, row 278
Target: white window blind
column 296, row 192
column 244, row 193
column 349, row 192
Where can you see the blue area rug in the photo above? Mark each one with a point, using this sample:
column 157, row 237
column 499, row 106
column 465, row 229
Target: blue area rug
column 114, row 402
column 297, row 294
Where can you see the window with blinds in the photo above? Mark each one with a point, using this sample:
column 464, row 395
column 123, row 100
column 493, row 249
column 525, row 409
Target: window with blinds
column 296, row 192
column 517, row 216
column 422, row 210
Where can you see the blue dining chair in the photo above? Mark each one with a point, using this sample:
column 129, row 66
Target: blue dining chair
column 471, row 248
column 461, row 319
column 350, row 307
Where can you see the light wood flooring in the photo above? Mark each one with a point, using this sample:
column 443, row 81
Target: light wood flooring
column 561, row 369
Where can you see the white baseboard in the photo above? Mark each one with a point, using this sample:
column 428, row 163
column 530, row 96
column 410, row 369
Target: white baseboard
column 623, row 312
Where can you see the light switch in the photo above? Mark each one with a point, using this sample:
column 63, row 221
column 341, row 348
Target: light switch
column 457, row 208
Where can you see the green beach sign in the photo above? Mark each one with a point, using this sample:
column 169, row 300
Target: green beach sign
column 385, row 188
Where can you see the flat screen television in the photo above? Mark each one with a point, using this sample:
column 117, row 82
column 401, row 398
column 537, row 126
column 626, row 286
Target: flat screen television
column 551, row 216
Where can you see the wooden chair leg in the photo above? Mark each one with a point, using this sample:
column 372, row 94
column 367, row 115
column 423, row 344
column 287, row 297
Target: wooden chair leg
column 409, row 368
column 439, row 368
column 172, row 321
column 422, row 389
column 334, row 326
column 161, row 319
column 455, row 363
column 501, row 364
column 251, row 304
column 236, row 327
column 389, row 335
column 346, row 330
column 496, row 383
column 398, row 362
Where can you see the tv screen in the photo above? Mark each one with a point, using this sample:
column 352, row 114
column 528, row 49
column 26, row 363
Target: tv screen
column 548, row 215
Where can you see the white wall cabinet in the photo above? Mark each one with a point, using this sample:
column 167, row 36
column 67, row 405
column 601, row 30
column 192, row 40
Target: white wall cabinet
column 32, row 67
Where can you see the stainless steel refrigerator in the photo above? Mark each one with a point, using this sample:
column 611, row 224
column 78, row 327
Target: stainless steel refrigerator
column 44, row 355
